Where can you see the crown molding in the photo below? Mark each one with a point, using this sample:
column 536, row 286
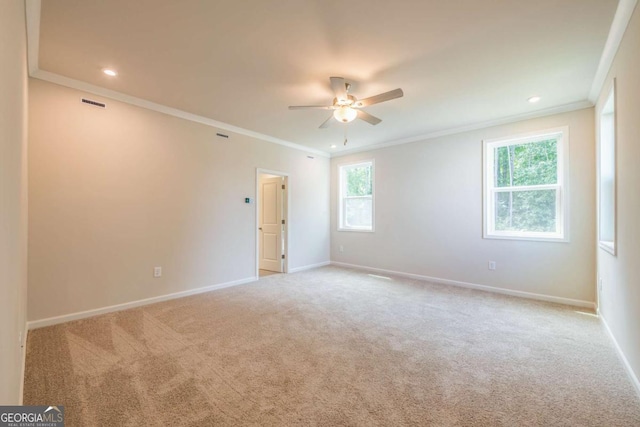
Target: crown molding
column 616, row 33
column 143, row 103
column 580, row 105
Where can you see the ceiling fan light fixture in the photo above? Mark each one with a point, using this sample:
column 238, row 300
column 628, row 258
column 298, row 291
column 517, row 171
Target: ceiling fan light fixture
column 345, row 114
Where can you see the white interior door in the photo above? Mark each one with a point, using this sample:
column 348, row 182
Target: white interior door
column 270, row 223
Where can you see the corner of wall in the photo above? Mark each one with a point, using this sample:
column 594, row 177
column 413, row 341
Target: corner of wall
column 13, row 186
column 628, row 368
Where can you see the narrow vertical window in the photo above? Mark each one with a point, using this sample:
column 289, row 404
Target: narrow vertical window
column 525, row 194
column 607, row 176
column 356, row 196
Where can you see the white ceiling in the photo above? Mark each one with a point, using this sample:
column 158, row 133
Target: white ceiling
column 459, row 62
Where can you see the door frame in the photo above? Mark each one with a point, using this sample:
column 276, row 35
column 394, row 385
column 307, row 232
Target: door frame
column 286, row 199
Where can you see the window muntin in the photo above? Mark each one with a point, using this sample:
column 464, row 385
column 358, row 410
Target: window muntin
column 525, row 189
column 356, row 196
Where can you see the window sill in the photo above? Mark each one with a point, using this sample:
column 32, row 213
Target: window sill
column 357, row 230
column 529, row 238
column 608, row 247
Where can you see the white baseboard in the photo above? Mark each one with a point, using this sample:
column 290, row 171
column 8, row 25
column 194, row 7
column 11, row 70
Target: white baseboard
column 625, row 362
column 521, row 294
column 23, row 365
column 309, row 267
column 34, row 324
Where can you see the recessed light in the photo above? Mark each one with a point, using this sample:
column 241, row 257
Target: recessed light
column 333, row 145
column 110, row 72
column 534, row 99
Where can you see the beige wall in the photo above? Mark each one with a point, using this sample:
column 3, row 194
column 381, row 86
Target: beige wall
column 115, row 192
column 13, row 196
column 619, row 299
column 428, row 201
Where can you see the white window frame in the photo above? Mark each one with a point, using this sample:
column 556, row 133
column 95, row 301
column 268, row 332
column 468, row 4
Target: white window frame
column 562, row 187
column 342, row 195
column 608, row 112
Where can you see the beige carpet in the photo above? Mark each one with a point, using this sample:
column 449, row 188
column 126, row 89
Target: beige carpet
column 334, row 347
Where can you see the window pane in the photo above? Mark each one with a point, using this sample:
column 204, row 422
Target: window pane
column 608, row 173
column 359, row 181
column 532, row 211
column 358, row 212
column 534, row 163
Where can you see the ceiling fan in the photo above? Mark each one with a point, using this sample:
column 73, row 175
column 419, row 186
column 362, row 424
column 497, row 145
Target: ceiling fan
column 347, row 107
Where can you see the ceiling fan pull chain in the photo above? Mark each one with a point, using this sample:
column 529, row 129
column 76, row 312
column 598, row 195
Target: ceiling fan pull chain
column 345, row 134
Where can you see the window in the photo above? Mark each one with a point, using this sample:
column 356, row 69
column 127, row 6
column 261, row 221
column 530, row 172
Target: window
column 607, row 176
column 356, row 196
column 525, row 188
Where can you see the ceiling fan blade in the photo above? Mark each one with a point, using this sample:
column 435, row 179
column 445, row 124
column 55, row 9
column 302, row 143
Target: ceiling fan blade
column 363, row 115
column 392, row 94
column 339, row 88
column 307, row 107
column 326, row 123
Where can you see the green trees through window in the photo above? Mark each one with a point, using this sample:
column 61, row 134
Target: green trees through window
column 356, row 196
column 359, row 181
column 534, row 163
column 522, row 165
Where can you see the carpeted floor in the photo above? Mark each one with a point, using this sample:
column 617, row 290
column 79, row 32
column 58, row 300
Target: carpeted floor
column 334, row 347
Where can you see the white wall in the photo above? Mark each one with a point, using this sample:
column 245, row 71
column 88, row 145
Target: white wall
column 118, row 191
column 428, row 213
column 13, row 196
column 619, row 299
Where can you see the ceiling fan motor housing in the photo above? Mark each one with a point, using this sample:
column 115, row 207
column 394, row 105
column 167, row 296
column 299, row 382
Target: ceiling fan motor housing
column 351, row 100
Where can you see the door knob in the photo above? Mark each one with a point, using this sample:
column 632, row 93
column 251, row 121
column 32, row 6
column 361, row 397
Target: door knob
column 260, row 228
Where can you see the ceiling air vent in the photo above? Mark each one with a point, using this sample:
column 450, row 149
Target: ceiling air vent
column 222, row 135
column 94, row 103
